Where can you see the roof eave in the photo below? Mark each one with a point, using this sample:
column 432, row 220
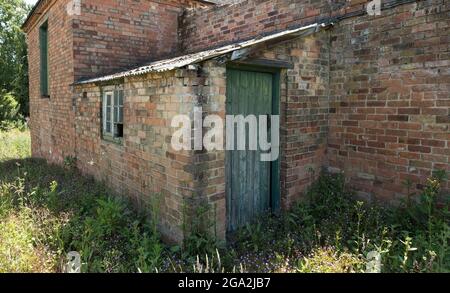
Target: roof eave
column 35, row 13
column 195, row 58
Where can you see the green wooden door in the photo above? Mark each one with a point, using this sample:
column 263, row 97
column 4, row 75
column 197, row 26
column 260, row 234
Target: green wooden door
column 249, row 186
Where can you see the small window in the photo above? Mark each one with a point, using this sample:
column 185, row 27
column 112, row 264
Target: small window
column 43, row 47
column 113, row 114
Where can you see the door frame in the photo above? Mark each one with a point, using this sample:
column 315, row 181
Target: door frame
column 275, row 166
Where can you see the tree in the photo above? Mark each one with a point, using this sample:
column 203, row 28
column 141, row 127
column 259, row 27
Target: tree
column 13, row 52
column 8, row 109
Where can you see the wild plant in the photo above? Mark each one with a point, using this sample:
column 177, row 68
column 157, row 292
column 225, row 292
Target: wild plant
column 199, row 227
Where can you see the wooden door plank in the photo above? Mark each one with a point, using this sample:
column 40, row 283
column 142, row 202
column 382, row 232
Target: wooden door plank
column 249, row 179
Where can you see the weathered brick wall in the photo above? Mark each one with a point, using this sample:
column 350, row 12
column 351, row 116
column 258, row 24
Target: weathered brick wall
column 115, row 35
column 52, row 129
column 389, row 85
column 145, row 165
column 306, row 120
column 369, row 97
column 304, row 112
column 247, row 19
column 106, row 36
column 304, row 123
column 208, row 168
column 390, row 97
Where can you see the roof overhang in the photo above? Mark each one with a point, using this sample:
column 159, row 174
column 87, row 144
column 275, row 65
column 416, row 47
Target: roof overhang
column 237, row 51
column 35, row 13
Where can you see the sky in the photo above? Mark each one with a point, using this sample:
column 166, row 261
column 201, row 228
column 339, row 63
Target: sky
column 32, row 2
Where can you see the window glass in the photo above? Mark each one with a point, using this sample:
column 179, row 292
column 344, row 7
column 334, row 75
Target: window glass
column 43, row 48
column 113, row 113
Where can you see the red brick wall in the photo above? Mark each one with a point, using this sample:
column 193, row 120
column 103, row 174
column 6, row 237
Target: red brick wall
column 389, row 83
column 369, row 97
column 305, row 107
column 52, row 128
column 224, row 24
column 390, row 91
column 115, row 35
column 107, row 36
column 145, row 165
column 208, row 167
column 304, row 112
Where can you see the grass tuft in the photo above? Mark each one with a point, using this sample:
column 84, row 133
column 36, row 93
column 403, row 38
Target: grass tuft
column 47, row 211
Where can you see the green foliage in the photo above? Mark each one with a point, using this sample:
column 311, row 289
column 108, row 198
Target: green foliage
column 13, row 51
column 47, row 211
column 105, row 230
column 70, row 162
column 328, row 260
column 338, row 232
column 98, row 234
column 14, row 144
column 29, row 233
column 20, row 251
column 199, row 229
column 148, row 251
column 9, row 109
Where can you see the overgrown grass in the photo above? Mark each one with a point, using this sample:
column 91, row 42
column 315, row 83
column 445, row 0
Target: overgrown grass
column 336, row 233
column 14, row 144
column 47, row 211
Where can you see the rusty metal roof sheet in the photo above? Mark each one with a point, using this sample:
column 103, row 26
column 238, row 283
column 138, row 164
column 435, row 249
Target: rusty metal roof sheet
column 181, row 61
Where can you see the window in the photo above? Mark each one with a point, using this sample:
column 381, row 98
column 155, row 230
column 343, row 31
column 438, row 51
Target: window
column 113, row 114
column 43, row 47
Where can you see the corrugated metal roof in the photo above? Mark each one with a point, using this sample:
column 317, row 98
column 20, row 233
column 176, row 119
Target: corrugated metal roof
column 181, row 61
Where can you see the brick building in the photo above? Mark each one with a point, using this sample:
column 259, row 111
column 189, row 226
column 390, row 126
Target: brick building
column 367, row 95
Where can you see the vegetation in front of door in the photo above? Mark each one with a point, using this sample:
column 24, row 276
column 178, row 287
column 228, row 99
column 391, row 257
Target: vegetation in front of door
column 336, row 231
column 47, row 211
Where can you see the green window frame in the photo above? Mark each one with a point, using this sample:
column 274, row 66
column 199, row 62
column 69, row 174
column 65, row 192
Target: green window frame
column 43, row 48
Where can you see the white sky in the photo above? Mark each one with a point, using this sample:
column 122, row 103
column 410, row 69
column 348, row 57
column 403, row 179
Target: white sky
column 32, row 2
